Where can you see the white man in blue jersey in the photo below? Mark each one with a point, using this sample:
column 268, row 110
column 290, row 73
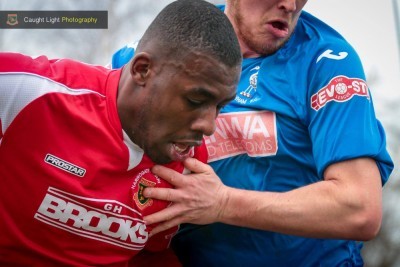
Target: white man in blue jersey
column 298, row 159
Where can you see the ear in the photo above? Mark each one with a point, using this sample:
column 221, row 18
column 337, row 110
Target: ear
column 140, row 68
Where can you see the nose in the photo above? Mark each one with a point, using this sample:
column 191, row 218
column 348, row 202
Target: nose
column 287, row 5
column 205, row 122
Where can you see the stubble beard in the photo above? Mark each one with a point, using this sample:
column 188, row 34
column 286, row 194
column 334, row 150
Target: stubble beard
column 146, row 128
column 261, row 47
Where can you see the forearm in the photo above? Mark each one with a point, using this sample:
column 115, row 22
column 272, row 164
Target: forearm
column 327, row 209
column 345, row 205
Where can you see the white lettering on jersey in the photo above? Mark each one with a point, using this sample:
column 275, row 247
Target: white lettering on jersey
column 328, row 54
column 64, row 165
column 339, row 89
column 252, row 133
column 103, row 220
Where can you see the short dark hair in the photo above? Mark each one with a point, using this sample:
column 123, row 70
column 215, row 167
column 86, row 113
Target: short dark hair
column 194, row 25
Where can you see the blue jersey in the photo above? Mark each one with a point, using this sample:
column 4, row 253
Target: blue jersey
column 296, row 112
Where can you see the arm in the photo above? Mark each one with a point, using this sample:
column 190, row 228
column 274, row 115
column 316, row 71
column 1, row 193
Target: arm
column 346, row 204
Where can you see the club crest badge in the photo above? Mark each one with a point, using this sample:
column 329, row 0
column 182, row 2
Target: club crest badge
column 252, row 88
column 12, row 19
column 140, row 200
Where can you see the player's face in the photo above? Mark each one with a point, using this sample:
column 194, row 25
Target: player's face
column 182, row 102
column 263, row 26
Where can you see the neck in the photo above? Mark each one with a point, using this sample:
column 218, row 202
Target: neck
column 246, row 51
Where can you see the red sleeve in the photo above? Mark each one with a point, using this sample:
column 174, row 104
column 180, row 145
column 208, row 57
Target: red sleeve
column 16, row 62
column 72, row 73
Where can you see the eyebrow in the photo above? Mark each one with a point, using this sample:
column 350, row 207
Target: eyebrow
column 203, row 91
column 207, row 93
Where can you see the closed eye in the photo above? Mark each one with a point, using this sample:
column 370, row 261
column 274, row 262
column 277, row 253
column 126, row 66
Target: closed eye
column 195, row 102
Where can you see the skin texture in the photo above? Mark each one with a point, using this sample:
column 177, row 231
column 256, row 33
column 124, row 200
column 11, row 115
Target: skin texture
column 351, row 191
column 162, row 102
column 346, row 204
column 263, row 26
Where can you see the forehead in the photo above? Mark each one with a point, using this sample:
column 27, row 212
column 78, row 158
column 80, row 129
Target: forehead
column 212, row 70
column 203, row 64
column 197, row 75
column 263, row 2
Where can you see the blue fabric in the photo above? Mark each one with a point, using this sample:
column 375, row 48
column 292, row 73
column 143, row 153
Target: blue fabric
column 122, row 56
column 320, row 112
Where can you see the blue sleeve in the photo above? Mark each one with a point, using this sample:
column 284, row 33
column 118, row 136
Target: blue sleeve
column 342, row 121
column 122, row 56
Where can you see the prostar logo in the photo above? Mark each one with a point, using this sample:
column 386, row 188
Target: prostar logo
column 103, row 220
column 64, row 165
column 339, row 89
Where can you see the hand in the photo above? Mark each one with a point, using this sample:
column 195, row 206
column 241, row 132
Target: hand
column 198, row 197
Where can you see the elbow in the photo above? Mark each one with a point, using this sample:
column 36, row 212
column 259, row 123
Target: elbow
column 367, row 224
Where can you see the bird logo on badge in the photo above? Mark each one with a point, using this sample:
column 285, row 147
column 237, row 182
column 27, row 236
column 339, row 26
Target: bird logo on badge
column 252, row 84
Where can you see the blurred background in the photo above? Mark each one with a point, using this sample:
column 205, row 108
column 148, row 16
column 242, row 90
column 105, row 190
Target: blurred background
column 372, row 27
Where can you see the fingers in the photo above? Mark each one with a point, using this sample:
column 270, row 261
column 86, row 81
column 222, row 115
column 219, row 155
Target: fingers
column 160, row 216
column 161, row 193
column 177, row 179
column 164, row 226
column 173, row 177
column 196, row 166
column 193, row 196
column 167, row 218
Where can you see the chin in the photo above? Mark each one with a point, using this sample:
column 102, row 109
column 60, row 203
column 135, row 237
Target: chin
column 160, row 160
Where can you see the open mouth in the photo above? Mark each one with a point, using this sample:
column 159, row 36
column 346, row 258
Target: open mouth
column 181, row 151
column 181, row 148
column 279, row 29
column 279, row 25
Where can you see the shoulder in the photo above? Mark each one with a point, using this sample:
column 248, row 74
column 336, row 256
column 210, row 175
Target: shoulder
column 68, row 72
column 319, row 49
column 16, row 62
column 123, row 55
column 316, row 36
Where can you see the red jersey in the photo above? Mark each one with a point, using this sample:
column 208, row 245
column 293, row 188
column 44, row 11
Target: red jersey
column 71, row 180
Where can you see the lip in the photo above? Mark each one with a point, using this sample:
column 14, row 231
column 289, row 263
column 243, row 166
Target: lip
column 278, row 28
column 179, row 151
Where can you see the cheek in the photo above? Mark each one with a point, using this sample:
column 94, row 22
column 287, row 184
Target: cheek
column 170, row 116
column 169, row 113
column 175, row 121
column 179, row 123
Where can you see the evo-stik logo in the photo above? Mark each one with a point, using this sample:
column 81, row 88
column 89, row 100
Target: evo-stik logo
column 64, row 165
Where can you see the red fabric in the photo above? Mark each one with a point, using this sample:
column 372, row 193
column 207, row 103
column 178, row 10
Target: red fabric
column 165, row 258
column 69, row 195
